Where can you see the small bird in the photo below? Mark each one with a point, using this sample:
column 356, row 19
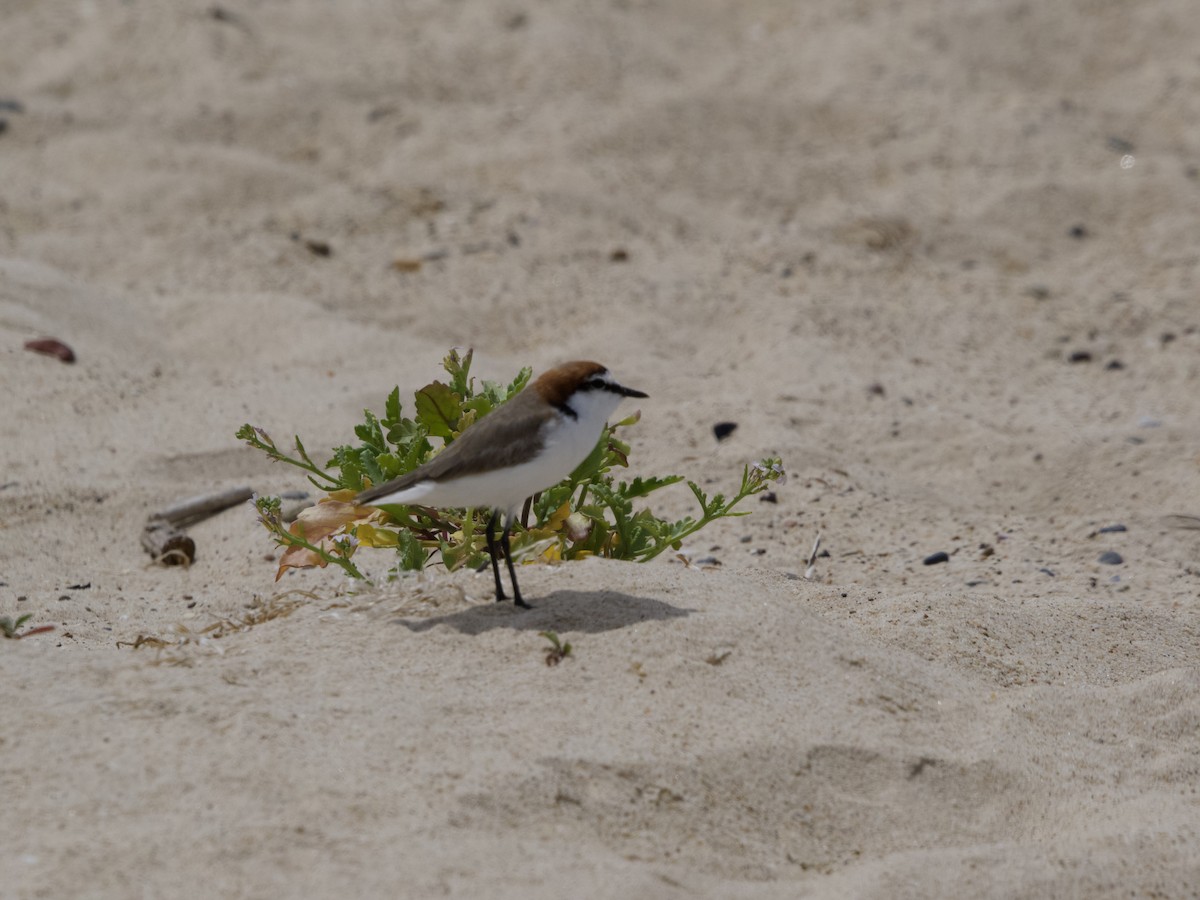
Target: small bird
column 526, row 445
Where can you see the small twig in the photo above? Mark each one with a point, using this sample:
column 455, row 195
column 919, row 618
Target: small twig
column 197, row 509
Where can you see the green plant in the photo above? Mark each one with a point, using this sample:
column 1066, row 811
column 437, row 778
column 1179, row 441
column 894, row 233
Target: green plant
column 11, row 628
column 587, row 514
column 558, row 649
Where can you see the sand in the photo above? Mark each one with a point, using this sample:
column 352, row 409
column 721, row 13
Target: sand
column 942, row 258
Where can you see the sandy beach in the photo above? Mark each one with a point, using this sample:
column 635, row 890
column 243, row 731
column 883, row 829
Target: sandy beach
column 943, row 259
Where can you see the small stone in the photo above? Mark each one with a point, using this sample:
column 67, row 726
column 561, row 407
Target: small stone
column 723, row 430
column 51, row 347
column 768, row 497
column 1079, row 232
column 1046, row 571
column 934, row 558
column 1120, row 145
column 1080, row 356
column 1111, row 558
column 1113, row 529
column 1115, row 365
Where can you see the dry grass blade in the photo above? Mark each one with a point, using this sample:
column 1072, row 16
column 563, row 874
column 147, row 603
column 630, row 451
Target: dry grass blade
column 257, row 612
column 812, row 559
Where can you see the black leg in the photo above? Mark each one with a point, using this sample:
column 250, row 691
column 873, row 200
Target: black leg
column 511, row 572
column 491, row 545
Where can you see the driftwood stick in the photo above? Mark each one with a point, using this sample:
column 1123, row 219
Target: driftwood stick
column 163, row 536
column 168, row 545
column 197, row 509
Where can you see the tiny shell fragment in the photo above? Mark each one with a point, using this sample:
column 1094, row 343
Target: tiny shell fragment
column 51, row 347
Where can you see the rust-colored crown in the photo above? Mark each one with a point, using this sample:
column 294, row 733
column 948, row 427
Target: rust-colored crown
column 556, row 385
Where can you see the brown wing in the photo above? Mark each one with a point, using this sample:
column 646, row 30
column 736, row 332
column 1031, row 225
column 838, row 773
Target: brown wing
column 499, row 439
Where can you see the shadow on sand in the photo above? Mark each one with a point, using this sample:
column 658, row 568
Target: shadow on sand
column 585, row 611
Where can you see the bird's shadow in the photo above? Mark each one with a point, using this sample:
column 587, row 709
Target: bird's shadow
column 590, row 612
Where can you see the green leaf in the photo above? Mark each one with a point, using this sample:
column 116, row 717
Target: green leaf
column 640, row 487
column 459, row 370
column 391, row 409
column 439, row 409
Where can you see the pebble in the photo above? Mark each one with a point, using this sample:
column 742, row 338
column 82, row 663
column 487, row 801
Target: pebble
column 1080, row 356
column 768, row 497
column 934, row 558
column 1111, row 558
column 51, row 347
column 1113, row 529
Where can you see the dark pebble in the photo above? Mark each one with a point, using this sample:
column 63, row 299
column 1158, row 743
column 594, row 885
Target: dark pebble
column 3, row 125
column 877, row 390
column 723, row 430
column 13, row 106
column 1113, row 529
column 1115, row 365
column 1079, row 232
column 768, row 497
column 318, row 248
column 934, row 558
column 1111, row 558
column 619, row 255
column 51, row 347
column 1046, row 571
column 1080, row 356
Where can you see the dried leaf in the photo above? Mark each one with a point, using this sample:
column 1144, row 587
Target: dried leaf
column 51, row 347
column 316, row 525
